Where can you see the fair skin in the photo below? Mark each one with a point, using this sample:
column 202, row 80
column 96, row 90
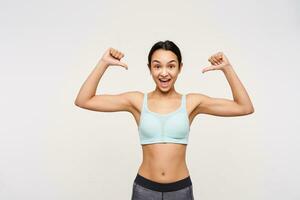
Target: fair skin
column 164, row 162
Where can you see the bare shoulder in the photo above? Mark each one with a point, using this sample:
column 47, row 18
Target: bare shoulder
column 132, row 94
column 135, row 98
column 193, row 101
column 195, row 98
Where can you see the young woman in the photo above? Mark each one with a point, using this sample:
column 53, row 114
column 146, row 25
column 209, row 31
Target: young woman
column 164, row 117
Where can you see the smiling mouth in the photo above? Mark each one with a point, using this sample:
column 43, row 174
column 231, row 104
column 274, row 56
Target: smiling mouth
column 164, row 80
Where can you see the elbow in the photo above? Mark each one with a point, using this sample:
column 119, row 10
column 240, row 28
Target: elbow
column 248, row 111
column 77, row 103
column 81, row 102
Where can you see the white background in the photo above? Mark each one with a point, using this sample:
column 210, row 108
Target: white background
column 51, row 149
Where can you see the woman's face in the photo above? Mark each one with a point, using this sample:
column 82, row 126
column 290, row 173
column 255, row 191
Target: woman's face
column 164, row 68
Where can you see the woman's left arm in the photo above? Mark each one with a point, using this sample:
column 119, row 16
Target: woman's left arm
column 241, row 103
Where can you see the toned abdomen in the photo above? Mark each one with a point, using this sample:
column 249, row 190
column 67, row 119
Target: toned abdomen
column 164, row 163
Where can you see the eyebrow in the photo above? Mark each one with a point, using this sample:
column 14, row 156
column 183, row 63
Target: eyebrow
column 168, row 62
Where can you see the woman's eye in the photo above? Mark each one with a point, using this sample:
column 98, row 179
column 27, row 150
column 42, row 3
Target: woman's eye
column 172, row 66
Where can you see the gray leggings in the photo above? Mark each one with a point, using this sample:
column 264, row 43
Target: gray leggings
column 145, row 189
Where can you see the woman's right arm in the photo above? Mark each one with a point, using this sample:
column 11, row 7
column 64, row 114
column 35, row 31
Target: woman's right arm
column 86, row 97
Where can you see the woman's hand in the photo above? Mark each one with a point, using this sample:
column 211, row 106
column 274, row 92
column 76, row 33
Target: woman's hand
column 219, row 62
column 113, row 57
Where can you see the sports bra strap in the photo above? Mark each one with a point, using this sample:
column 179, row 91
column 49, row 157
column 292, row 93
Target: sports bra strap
column 145, row 101
column 184, row 101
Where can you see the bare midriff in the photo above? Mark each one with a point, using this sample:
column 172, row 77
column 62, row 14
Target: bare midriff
column 164, row 162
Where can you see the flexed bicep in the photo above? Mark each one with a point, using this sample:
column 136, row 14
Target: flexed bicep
column 111, row 102
column 219, row 106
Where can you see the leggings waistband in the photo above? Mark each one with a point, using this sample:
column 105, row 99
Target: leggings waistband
column 162, row 187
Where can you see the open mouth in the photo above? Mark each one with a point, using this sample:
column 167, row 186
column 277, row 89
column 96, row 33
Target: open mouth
column 164, row 82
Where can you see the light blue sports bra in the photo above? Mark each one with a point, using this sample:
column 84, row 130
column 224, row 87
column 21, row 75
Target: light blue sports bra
column 171, row 127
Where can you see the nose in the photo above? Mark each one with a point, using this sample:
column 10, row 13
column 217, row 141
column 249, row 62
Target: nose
column 164, row 71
